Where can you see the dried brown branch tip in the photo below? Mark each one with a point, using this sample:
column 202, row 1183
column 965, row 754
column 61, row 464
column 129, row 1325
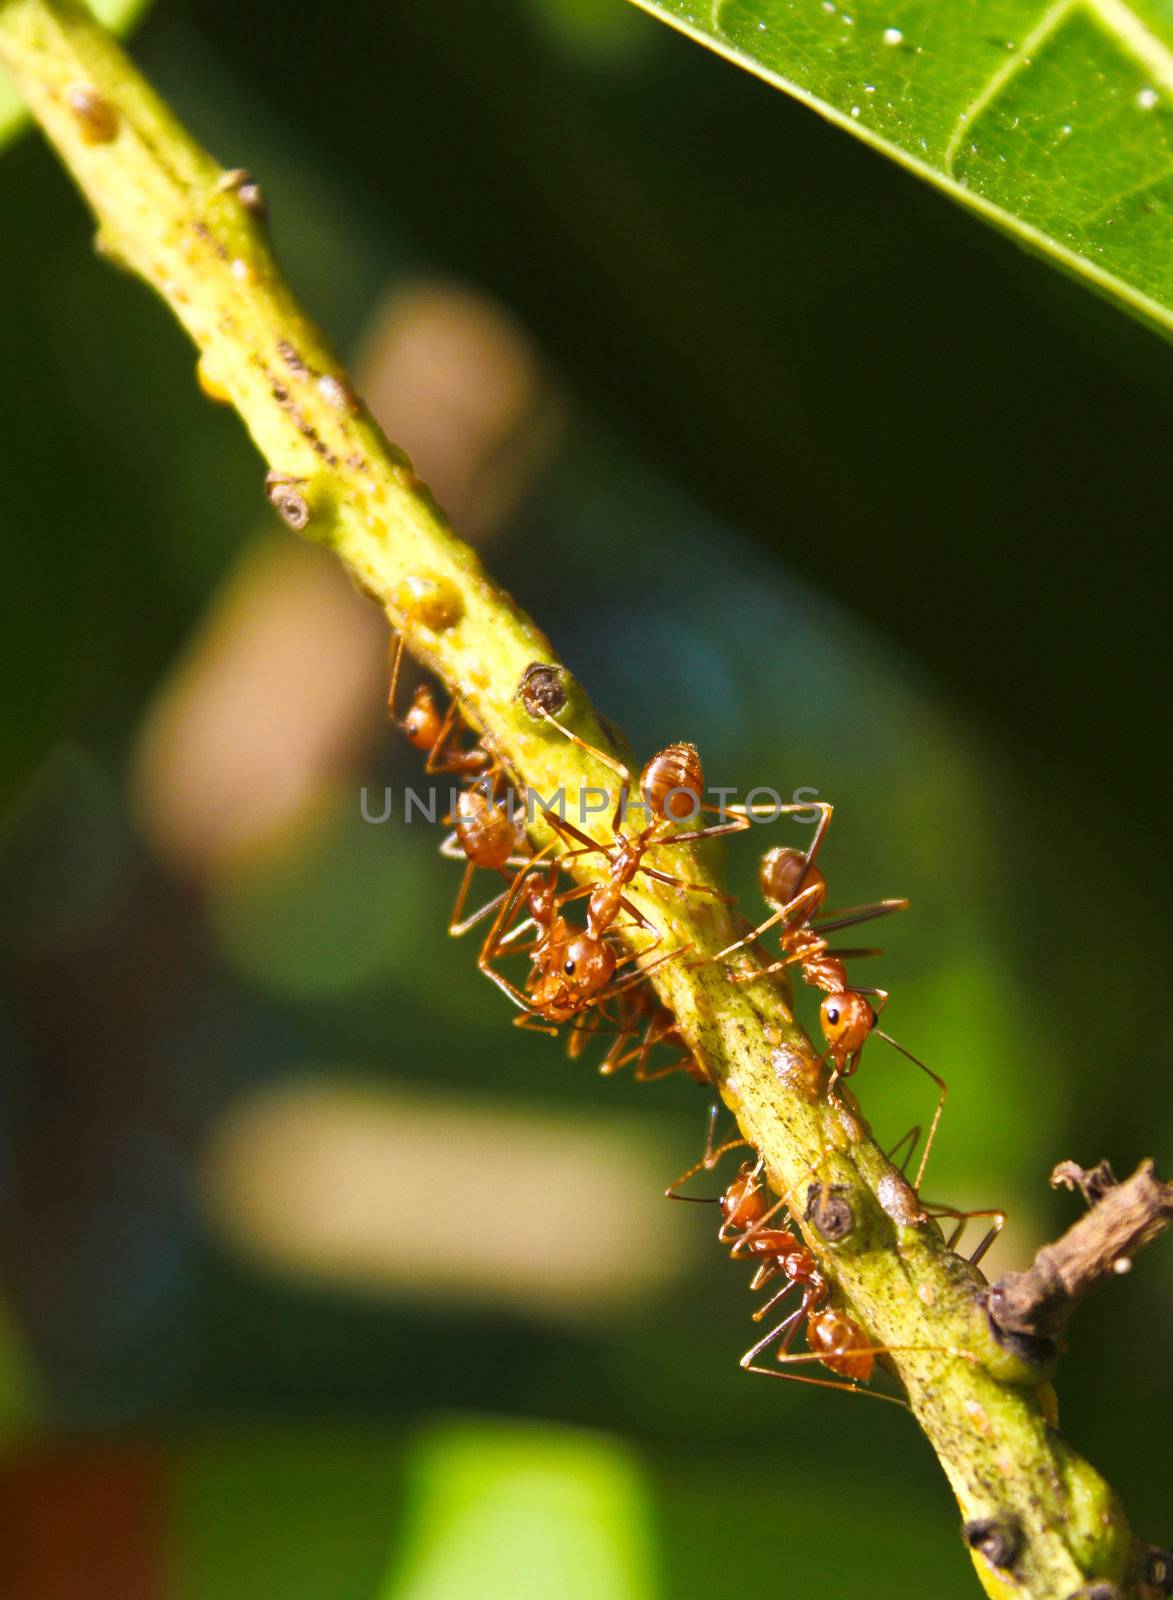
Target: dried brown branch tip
column 1122, row 1218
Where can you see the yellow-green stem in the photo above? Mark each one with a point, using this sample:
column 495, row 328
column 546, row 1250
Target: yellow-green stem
column 167, row 211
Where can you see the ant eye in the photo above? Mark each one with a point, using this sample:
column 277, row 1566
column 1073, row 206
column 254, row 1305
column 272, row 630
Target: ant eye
column 568, row 969
column 832, row 1015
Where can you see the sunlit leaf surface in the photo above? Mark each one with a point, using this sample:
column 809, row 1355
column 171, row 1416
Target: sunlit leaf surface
column 1053, row 122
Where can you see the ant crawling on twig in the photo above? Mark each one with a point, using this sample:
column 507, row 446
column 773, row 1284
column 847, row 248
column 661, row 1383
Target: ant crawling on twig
column 835, row 1339
column 671, row 785
column 484, row 833
column 573, row 968
column 796, row 889
column 430, row 732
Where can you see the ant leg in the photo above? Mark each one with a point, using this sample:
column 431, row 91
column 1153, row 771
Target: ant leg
column 936, row 1211
column 760, row 972
column 433, row 762
column 586, row 1025
column 458, row 928
column 803, row 902
column 843, row 1386
column 940, row 1106
column 655, row 1033
column 683, row 883
column 992, row 1232
column 653, row 1075
column 912, row 1139
column 788, row 1328
column 762, row 1276
column 741, row 816
column 395, row 651
column 616, row 1057
column 617, row 767
column 455, row 926
column 498, row 934
column 835, row 921
column 568, row 831
column 708, row 1161
column 826, row 812
column 786, row 1357
column 789, row 961
column 529, row 1020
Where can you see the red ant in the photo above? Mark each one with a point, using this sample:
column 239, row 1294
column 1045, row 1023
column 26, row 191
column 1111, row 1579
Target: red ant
column 484, row 834
column 428, row 731
column 797, row 889
column 671, row 785
column 835, row 1339
column 573, row 968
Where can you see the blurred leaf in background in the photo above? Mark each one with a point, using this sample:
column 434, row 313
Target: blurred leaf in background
column 523, row 1513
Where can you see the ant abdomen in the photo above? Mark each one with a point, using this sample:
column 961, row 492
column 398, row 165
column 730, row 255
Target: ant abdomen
column 840, row 1344
column 486, row 834
column 673, row 782
column 784, row 871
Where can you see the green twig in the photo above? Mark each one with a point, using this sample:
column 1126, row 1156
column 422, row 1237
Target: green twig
column 195, row 233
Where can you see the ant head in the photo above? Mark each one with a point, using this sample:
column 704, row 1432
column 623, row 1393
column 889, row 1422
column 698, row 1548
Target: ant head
column 422, row 722
column 585, row 964
column 744, row 1202
column 673, row 782
column 575, row 966
column 784, row 872
column 847, row 1019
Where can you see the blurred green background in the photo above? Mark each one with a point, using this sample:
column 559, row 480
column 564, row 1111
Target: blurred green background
column 320, row 1280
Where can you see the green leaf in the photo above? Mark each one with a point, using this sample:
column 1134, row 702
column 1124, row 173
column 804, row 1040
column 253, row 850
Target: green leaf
column 116, row 14
column 512, row 1512
column 1051, row 121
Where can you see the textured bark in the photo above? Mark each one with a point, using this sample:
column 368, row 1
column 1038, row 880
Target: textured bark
column 1123, row 1219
